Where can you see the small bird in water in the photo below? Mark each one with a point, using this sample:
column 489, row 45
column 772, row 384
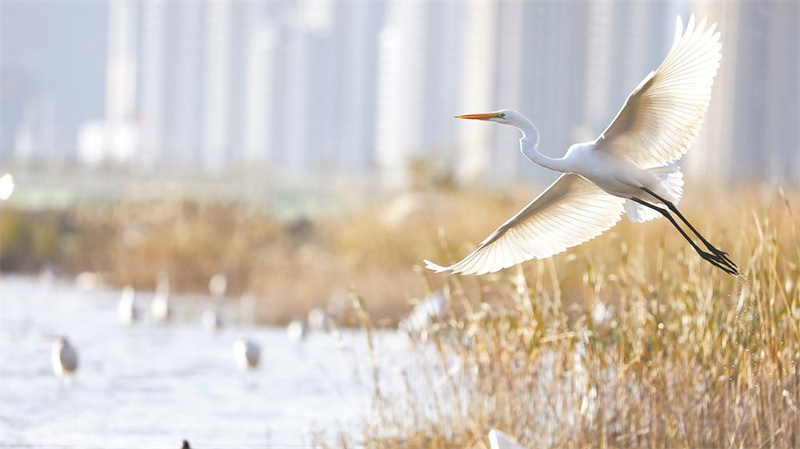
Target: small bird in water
column 320, row 320
column 212, row 319
column 246, row 353
column 128, row 309
column 218, row 285
column 64, row 357
column 297, row 330
column 160, row 307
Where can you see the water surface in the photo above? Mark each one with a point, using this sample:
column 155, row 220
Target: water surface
column 151, row 385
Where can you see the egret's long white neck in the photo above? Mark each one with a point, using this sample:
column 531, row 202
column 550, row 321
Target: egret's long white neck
column 529, row 144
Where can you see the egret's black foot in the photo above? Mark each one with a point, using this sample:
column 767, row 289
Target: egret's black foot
column 722, row 257
column 719, row 263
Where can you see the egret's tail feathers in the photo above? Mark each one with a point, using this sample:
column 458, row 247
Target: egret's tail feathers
column 671, row 182
column 432, row 266
column 670, row 187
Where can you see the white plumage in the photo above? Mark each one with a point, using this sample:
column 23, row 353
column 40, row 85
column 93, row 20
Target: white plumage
column 570, row 212
column 160, row 307
column 629, row 168
column 320, row 320
column 64, row 357
column 663, row 115
column 246, row 353
column 128, row 309
column 212, row 320
column 297, row 330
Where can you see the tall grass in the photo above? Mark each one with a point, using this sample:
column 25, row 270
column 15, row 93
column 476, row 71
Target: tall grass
column 651, row 348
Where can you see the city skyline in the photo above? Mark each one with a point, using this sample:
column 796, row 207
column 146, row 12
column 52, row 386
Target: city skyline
column 366, row 88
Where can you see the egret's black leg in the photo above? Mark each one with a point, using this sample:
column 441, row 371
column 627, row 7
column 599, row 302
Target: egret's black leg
column 720, row 254
column 708, row 257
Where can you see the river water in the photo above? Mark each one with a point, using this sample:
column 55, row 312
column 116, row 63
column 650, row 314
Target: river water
column 150, row 385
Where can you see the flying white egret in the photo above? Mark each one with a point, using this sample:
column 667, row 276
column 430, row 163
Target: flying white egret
column 630, row 167
column 64, row 356
column 246, row 353
column 128, row 309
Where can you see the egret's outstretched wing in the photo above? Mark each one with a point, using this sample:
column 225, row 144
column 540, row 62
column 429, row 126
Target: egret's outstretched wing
column 663, row 115
column 570, row 212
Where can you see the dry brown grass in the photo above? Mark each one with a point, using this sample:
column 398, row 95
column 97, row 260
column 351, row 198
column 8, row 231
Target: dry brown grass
column 685, row 357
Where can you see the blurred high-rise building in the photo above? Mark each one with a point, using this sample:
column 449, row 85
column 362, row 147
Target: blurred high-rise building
column 419, row 77
column 364, row 88
column 751, row 130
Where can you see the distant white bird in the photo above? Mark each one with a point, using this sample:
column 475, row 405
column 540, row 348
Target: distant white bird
column 6, row 186
column 499, row 440
column 212, row 319
column 218, row 285
column 320, row 320
column 64, row 357
column 246, row 353
column 160, row 306
column 424, row 314
column 128, row 309
column 297, row 330
column 629, row 168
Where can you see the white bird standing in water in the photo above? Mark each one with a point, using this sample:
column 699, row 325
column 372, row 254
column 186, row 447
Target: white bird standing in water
column 160, row 306
column 64, row 357
column 297, row 330
column 217, row 286
column 320, row 320
column 128, row 309
column 246, row 353
column 629, row 168
column 212, row 319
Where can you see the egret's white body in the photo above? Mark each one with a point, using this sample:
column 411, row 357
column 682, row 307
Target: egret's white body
column 246, row 353
column 297, row 330
column 212, row 320
column 64, row 357
column 629, row 168
column 320, row 320
column 128, row 309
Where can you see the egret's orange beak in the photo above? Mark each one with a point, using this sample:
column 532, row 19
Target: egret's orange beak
column 486, row 116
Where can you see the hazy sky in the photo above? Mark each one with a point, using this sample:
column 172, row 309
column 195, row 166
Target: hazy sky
column 57, row 48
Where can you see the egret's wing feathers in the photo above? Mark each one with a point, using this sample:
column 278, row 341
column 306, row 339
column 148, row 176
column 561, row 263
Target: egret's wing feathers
column 570, row 212
column 662, row 116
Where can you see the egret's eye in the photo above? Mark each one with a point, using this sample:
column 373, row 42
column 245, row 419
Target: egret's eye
column 502, row 115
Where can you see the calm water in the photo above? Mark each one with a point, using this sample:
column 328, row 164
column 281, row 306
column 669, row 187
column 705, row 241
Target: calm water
column 151, row 386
